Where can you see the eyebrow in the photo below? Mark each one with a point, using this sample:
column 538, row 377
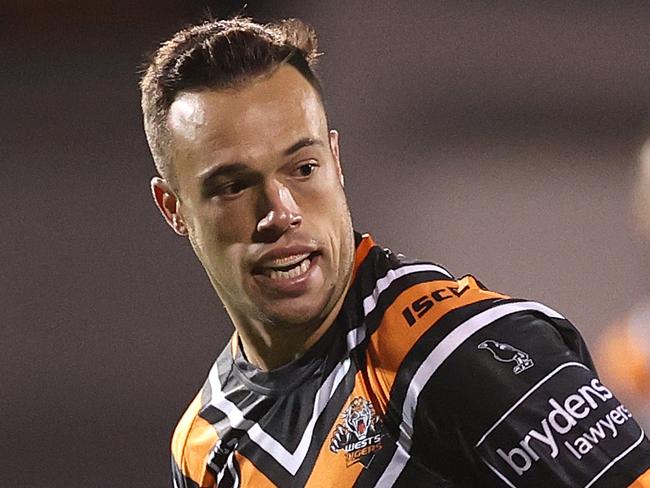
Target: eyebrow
column 229, row 169
column 222, row 170
column 304, row 142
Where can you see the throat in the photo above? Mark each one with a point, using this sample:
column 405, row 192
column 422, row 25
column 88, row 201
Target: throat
column 271, row 349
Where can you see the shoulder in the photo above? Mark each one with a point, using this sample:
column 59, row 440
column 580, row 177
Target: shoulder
column 523, row 392
column 397, row 291
column 423, row 307
column 196, row 442
column 417, row 307
column 192, row 441
column 511, row 384
column 497, row 386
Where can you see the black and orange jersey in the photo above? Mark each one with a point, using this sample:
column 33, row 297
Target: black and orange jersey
column 423, row 380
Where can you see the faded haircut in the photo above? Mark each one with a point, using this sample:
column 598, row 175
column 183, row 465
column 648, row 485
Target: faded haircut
column 218, row 54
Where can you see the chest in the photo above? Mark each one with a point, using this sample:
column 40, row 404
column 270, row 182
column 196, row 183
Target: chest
column 338, row 432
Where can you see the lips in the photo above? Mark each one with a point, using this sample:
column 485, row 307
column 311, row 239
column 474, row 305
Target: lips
column 288, row 270
column 287, row 267
column 285, row 263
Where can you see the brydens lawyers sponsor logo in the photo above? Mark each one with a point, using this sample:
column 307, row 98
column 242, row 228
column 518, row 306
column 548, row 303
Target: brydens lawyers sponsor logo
column 359, row 434
column 573, row 427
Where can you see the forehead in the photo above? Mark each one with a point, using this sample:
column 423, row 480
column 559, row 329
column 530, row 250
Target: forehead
column 260, row 117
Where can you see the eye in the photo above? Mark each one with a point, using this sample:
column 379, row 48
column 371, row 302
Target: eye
column 307, row 169
column 232, row 188
column 228, row 190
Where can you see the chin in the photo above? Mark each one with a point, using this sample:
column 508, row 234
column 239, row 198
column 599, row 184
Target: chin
column 294, row 319
column 296, row 315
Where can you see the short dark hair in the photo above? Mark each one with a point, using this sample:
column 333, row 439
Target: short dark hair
column 219, row 54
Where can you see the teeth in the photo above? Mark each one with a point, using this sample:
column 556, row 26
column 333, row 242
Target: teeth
column 292, row 273
column 287, row 261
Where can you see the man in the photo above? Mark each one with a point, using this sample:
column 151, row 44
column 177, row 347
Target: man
column 349, row 366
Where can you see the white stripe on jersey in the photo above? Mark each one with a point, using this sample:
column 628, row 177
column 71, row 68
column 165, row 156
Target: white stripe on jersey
column 430, row 365
column 221, row 473
column 528, row 393
column 292, row 461
column 617, row 459
column 503, row 478
column 370, row 302
column 233, row 471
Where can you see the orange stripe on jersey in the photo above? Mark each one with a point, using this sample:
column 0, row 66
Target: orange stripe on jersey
column 250, row 475
column 410, row 316
column 642, row 481
column 361, row 253
column 193, row 439
column 341, row 468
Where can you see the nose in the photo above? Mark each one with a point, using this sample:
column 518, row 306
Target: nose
column 280, row 210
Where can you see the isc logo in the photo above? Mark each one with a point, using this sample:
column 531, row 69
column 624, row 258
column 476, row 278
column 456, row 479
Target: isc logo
column 419, row 307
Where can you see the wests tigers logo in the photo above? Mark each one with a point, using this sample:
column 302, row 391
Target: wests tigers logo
column 359, row 434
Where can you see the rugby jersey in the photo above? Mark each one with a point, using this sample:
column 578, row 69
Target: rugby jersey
column 422, row 380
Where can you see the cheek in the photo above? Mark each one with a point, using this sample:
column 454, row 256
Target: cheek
column 221, row 225
column 224, row 235
column 209, row 241
column 221, row 259
column 338, row 212
column 327, row 196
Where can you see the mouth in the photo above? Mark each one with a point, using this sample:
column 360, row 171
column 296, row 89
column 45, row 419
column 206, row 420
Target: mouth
column 287, row 268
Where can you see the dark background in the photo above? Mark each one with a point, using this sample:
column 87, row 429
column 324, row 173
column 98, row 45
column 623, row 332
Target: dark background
column 496, row 140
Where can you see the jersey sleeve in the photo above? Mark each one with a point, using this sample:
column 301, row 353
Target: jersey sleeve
column 511, row 398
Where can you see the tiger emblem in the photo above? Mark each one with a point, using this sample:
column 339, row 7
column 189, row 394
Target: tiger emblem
column 359, row 434
column 358, row 417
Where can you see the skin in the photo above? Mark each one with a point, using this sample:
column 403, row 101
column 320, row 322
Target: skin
column 257, row 180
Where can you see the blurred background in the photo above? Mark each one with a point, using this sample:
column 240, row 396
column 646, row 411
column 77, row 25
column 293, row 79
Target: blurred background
column 501, row 141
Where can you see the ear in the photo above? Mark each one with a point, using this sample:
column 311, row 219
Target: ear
column 334, row 146
column 168, row 204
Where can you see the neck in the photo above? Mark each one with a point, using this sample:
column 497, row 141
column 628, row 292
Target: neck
column 270, row 347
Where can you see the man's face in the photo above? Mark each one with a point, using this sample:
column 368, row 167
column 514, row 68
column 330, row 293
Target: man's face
column 260, row 194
